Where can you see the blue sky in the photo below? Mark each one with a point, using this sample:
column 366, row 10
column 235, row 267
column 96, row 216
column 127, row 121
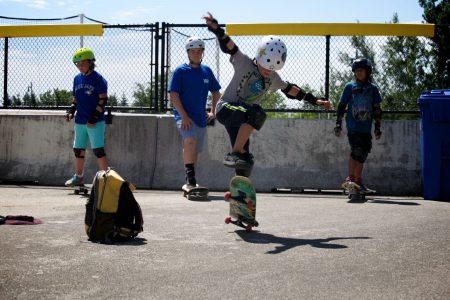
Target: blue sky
column 231, row 11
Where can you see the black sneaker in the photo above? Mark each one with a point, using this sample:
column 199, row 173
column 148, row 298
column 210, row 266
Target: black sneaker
column 237, row 160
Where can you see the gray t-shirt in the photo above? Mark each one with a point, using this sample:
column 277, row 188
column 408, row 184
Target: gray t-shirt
column 247, row 85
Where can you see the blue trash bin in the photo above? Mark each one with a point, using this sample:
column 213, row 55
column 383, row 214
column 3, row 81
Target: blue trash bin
column 435, row 144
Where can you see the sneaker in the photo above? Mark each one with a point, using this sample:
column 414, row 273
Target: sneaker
column 75, row 181
column 188, row 186
column 348, row 184
column 237, row 160
column 366, row 190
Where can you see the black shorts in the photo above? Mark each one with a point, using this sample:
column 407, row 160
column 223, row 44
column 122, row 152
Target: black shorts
column 233, row 114
column 362, row 141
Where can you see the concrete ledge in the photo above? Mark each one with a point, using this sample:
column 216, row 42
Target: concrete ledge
column 146, row 150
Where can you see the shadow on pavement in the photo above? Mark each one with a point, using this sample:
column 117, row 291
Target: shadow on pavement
column 392, row 202
column 256, row 237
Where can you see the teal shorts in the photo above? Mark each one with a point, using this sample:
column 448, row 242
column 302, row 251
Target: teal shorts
column 195, row 132
column 94, row 135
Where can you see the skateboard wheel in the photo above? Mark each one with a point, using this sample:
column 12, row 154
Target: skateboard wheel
column 77, row 192
column 227, row 196
column 227, row 220
column 248, row 228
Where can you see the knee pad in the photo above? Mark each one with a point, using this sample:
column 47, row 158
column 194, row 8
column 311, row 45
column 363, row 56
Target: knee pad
column 77, row 152
column 256, row 116
column 359, row 154
column 99, row 152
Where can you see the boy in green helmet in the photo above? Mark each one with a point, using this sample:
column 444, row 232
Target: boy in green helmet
column 90, row 94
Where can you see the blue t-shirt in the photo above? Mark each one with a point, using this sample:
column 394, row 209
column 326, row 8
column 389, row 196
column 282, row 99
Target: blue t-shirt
column 360, row 99
column 192, row 86
column 86, row 90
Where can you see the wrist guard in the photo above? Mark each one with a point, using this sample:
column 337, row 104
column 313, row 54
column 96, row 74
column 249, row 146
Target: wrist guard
column 94, row 117
column 219, row 32
column 340, row 110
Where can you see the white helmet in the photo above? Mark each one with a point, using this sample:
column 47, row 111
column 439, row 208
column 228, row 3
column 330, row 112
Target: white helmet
column 194, row 42
column 271, row 53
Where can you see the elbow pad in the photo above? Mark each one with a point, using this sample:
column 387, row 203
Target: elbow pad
column 301, row 95
column 223, row 46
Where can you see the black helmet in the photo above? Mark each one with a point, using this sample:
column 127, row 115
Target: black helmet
column 362, row 63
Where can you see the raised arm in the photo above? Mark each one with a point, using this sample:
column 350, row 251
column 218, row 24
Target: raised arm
column 226, row 44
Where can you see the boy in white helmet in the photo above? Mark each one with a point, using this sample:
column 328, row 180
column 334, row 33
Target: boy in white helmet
column 188, row 90
column 238, row 109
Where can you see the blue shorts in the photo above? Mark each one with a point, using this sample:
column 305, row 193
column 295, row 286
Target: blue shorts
column 95, row 135
column 197, row 133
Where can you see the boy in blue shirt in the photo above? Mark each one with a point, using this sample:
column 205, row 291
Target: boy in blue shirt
column 363, row 100
column 188, row 89
column 89, row 99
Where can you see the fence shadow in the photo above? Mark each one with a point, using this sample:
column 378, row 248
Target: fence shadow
column 286, row 243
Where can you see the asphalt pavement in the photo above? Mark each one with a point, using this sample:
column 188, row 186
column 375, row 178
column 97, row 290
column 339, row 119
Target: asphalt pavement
column 307, row 246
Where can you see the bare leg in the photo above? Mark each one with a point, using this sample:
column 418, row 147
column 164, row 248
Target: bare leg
column 189, row 152
column 245, row 131
column 102, row 163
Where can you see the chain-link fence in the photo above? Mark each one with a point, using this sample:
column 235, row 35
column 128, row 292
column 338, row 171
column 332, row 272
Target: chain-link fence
column 137, row 61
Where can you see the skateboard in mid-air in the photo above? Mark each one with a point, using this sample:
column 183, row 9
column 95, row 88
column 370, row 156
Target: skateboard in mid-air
column 242, row 199
column 197, row 193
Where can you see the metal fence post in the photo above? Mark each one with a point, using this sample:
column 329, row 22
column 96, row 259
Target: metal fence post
column 162, row 78
column 327, row 67
column 157, row 37
column 5, row 76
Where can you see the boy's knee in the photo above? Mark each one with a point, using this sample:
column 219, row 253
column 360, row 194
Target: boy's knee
column 359, row 154
column 79, row 153
column 256, row 117
column 99, row 152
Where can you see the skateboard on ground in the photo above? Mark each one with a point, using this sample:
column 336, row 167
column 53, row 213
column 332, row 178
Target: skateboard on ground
column 355, row 194
column 197, row 193
column 242, row 198
column 81, row 189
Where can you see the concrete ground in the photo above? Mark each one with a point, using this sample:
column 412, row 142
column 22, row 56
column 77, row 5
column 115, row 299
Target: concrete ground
column 306, row 247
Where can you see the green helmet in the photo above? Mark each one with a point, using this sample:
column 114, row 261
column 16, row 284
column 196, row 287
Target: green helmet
column 83, row 54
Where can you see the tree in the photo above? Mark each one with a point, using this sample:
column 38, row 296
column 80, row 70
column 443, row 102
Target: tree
column 339, row 77
column 405, row 67
column 30, row 99
column 142, row 95
column 56, row 97
column 439, row 14
column 123, row 101
column 112, row 100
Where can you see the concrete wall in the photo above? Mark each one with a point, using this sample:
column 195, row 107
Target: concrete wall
column 146, row 150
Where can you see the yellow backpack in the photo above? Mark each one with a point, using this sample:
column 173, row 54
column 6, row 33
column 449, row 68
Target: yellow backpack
column 112, row 212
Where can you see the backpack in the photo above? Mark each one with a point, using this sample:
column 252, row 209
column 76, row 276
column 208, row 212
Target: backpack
column 112, row 212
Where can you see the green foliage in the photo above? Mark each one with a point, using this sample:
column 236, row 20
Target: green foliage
column 405, row 65
column 143, row 95
column 438, row 12
column 55, row 97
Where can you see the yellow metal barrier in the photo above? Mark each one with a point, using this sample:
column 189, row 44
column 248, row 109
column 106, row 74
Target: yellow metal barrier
column 12, row 31
column 333, row 29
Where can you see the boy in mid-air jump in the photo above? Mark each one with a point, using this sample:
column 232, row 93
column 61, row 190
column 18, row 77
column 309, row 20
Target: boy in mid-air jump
column 239, row 108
